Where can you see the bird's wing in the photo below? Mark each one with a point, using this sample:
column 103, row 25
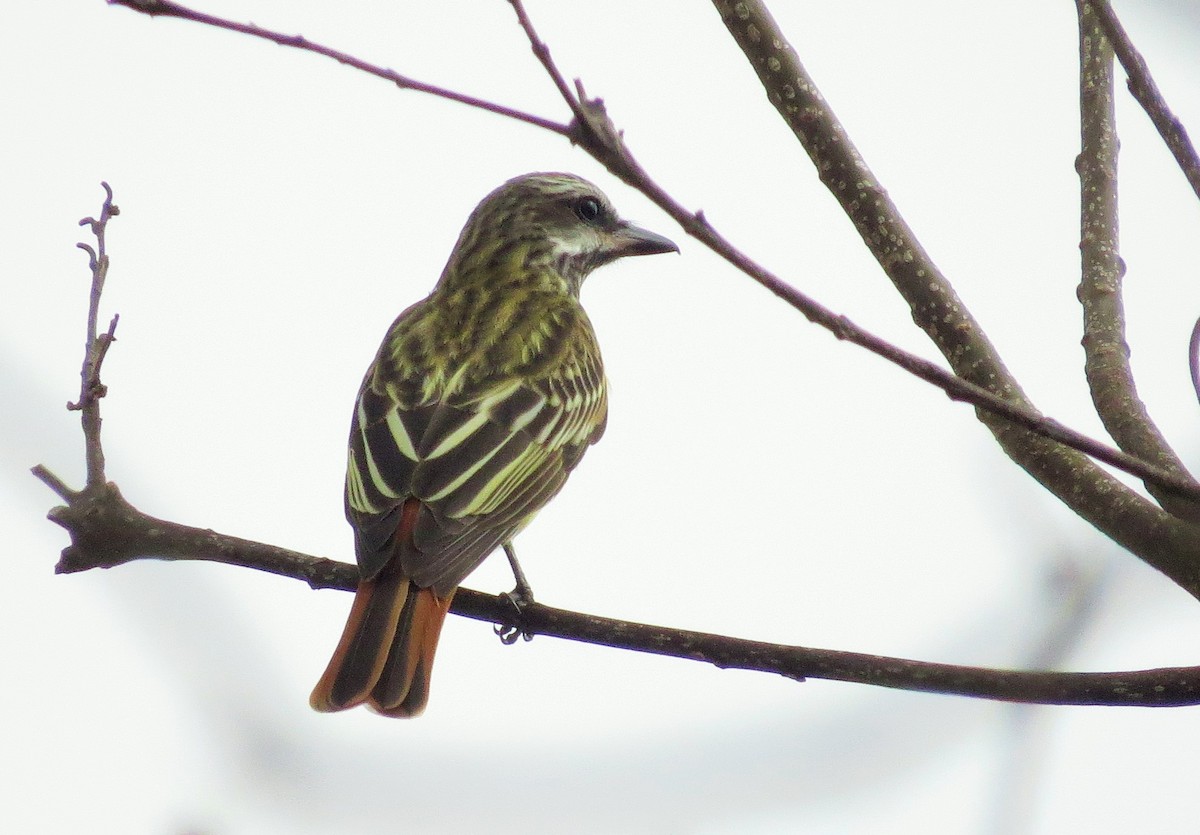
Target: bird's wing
column 481, row 465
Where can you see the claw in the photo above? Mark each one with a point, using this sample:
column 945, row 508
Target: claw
column 509, row 633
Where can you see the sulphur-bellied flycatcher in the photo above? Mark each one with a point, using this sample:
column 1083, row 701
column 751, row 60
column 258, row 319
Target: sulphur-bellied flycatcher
column 481, row 400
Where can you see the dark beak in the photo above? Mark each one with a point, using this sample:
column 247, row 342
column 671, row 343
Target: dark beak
column 633, row 240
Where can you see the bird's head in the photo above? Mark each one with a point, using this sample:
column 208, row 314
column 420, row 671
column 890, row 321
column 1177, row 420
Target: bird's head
column 548, row 224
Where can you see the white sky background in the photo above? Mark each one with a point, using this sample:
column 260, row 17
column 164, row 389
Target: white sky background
column 758, row 478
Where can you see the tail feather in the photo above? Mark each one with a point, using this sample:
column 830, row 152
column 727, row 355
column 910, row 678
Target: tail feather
column 385, row 655
column 402, row 688
column 362, row 652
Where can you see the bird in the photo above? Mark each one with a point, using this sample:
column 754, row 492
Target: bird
column 481, row 400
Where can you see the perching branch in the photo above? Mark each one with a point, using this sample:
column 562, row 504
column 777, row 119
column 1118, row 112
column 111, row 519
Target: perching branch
column 107, row 531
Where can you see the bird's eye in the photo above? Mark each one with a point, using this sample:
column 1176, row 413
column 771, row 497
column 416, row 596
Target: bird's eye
column 589, row 210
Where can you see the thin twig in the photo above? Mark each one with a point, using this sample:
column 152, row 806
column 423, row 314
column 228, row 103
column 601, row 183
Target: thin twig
column 96, row 345
column 1141, row 85
column 166, row 8
column 542, row 51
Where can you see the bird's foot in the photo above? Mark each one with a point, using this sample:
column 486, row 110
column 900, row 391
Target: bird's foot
column 519, row 598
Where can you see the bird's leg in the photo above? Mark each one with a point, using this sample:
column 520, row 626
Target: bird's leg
column 523, row 592
column 520, row 597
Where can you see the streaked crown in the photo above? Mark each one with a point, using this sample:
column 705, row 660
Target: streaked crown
column 548, row 227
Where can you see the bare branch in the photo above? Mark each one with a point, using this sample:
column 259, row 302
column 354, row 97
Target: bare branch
column 1107, row 367
column 107, row 531
column 1141, row 85
column 166, row 8
column 543, row 55
column 96, row 345
column 1157, row 537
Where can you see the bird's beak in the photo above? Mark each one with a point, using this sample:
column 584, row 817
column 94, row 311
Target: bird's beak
column 628, row 239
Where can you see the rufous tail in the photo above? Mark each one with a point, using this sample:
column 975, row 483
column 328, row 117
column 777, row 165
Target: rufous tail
column 385, row 655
